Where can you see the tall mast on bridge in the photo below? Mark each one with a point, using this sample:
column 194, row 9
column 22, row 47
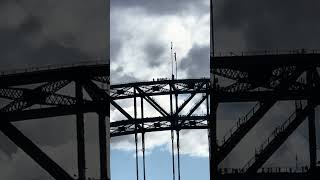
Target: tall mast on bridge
column 175, row 59
column 172, row 61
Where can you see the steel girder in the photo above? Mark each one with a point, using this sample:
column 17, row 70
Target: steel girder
column 159, row 87
column 288, row 91
column 34, row 152
column 277, row 138
column 126, row 92
column 51, row 104
column 168, row 121
column 266, row 76
column 246, row 123
column 151, row 124
column 50, row 74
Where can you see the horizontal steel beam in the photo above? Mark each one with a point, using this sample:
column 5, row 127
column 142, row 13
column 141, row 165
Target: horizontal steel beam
column 49, row 112
column 152, row 124
column 157, row 130
column 261, row 61
column 43, row 75
column 159, row 82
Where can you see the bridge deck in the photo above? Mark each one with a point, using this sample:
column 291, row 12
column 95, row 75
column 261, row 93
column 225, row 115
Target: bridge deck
column 247, row 61
column 53, row 73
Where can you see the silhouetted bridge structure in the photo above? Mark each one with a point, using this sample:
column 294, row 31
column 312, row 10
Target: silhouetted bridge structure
column 52, row 91
column 264, row 79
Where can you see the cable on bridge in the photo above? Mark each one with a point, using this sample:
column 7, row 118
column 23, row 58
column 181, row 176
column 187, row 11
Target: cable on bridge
column 172, row 135
column 135, row 133
column 143, row 143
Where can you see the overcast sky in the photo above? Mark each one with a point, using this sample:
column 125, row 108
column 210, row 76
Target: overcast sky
column 40, row 32
column 46, row 32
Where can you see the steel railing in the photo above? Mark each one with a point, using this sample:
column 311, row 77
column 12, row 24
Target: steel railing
column 266, row 52
column 52, row 67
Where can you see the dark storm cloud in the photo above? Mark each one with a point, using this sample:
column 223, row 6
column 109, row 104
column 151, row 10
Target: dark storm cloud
column 269, row 24
column 161, row 7
column 197, row 62
column 42, row 32
column 46, row 32
column 19, row 52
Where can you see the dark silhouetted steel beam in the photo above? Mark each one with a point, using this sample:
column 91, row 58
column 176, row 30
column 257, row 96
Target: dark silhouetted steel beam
column 163, row 82
column 153, row 103
column 103, row 147
column 178, row 110
column 34, row 152
column 195, row 107
column 311, row 77
column 279, row 137
column 37, row 95
column 49, row 112
column 67, row 73
column 136, row 133
column 80, row 134
column 143, row 142
column 104, row 99
column 100, row 95
column 172, row 120
column 254, row 116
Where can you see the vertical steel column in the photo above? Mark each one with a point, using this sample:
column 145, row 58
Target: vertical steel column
column 80, row 134
column 312, row 127
column 212, row 123
column 143, row 144
column 312, row 139
column 135, row 131
column 207, row 100
column 178, row 148
column 178, row 136
column 172, row 134
column 103, row 146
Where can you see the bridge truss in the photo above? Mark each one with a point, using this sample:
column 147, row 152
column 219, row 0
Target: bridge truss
column 264, row 79
column 35, row 94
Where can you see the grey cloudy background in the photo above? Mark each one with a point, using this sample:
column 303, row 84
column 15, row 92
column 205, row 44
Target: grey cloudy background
column 40, row 32
column 262, row 24
column 46, row 32
column 35, row 32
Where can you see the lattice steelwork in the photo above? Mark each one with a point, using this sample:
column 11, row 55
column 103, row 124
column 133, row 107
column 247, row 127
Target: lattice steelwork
column 234, row 79
column 265, row 79
column 174, row 118
column 43, row 100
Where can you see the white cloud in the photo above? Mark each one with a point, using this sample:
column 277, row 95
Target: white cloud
column 135, row 29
